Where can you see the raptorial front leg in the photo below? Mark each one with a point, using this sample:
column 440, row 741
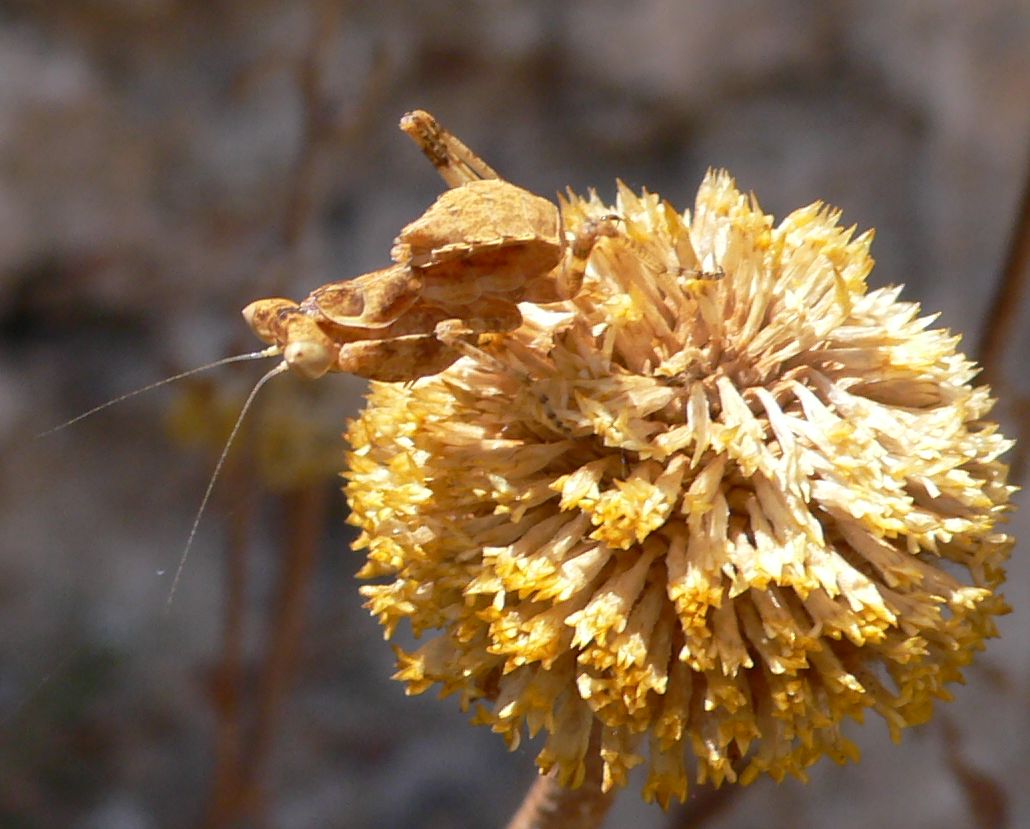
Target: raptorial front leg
column 373, row 300
column 398, row 360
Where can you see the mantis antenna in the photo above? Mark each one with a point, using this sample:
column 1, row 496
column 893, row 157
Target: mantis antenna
column 273, row 351
column 279, row 369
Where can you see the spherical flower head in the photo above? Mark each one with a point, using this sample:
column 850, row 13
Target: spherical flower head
column 721, row 501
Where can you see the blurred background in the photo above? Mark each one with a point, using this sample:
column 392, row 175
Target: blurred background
column 164, row 162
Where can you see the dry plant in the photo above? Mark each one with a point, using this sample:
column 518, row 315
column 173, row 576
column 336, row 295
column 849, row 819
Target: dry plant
column 694, row 502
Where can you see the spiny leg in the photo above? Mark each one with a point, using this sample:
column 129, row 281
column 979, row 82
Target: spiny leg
column 455, row 162
column 571, row 272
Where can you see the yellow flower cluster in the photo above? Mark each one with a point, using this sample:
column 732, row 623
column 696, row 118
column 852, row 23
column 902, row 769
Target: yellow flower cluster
column 718, row 503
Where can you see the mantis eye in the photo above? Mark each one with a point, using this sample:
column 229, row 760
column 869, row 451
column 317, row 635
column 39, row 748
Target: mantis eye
column 309, row 358
column 264, row 317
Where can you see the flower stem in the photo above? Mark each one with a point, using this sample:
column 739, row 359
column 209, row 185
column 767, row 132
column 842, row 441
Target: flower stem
column 549, row 805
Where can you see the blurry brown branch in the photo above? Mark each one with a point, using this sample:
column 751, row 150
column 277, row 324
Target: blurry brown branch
column 242, row 754
column 985, row 798
column 999, row 331
column 305, row 516
column 225, row 807
column 1011, row 293
column 320, row 125
column 326, row 125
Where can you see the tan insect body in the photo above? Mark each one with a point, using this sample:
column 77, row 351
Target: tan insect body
column 459, row 271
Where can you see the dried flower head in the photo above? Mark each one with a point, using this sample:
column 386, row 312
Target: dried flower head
column 719, row 502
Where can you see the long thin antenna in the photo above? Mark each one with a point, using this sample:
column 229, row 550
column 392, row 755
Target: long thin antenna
column 279, row 369
column 272, row 351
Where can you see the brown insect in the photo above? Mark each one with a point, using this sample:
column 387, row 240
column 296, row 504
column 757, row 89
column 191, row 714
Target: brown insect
column 458, row 271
